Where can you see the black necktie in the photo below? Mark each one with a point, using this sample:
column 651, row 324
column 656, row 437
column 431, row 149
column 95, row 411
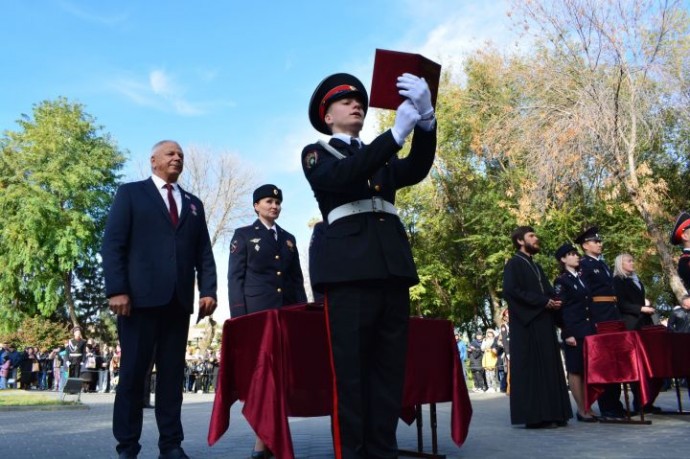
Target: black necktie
column 172, row 205
column 356, row 144
column 274, row 234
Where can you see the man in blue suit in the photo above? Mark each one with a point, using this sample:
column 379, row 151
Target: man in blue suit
column 155, row 242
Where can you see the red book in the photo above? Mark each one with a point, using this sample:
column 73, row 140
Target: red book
column 389, row 65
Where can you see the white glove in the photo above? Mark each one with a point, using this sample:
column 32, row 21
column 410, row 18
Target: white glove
column 406, row 118
column 417, row 90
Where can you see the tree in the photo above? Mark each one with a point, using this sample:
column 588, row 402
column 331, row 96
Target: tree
column 222, row 183
column 598, row 93
column 58, row 174
column 37, row 331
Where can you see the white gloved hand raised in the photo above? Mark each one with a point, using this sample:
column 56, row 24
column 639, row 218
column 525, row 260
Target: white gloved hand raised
column 417, row 90
column 406, row 118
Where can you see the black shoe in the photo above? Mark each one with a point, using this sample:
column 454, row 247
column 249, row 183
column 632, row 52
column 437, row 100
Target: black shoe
column 177, row 453
column 261, row 454
column 652, row 409
column 585, row 419
column 561, row 423
column 540, row 425
column 125, row 455
column 613, row 414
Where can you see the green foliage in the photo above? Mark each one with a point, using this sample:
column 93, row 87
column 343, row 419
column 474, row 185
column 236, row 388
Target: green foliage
column 58, row 173
column 45, row 334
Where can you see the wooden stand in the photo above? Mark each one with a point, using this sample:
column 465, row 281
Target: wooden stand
column 420, row 437
column 680, row 411
column 628, row 419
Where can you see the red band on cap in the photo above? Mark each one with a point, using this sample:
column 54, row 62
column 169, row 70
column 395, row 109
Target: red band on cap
column 681, row 229
column 330, row 94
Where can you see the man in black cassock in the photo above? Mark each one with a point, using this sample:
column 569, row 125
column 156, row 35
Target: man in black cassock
column 538, row 392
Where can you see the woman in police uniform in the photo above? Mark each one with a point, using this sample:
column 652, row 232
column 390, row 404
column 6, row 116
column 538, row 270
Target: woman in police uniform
column 575, row 324
column 264, row 270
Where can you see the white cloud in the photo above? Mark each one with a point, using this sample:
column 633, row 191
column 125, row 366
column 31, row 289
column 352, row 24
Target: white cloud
column 160, row 90
column 78, row 11
column 449, row 34
column 161, row 84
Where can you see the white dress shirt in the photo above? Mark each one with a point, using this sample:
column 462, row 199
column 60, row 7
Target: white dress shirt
column 160, row 184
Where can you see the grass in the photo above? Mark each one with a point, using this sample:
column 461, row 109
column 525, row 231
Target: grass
column 20, row 398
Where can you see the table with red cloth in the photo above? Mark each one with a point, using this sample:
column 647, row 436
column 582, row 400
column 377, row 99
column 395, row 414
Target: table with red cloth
column 644, row 356
column 278, row 363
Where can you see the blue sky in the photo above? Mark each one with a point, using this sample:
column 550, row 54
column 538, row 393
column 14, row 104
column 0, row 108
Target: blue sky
column 232, row 76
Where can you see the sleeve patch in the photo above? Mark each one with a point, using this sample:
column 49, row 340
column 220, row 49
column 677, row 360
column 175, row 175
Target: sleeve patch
column 310, row 159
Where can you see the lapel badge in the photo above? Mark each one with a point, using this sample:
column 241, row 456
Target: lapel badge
column 193, row 208
column 187, row 196
column 596, row 271
column 290, row 245
column 256, row 241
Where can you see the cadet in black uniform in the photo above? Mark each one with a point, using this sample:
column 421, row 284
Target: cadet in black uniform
column 364, row 262
column 576, row 323
column 264, row 271
column 681, row 236
column 75, row 349
column 597, row 276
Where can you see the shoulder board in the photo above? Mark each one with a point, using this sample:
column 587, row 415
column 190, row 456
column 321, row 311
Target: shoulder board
column 330, row 149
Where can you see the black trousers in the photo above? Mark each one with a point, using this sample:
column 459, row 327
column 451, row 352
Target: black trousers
column 610, row 401
column 368, row 331
column 151, row 333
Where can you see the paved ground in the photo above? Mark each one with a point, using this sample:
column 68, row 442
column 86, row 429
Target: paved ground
column 87, row 434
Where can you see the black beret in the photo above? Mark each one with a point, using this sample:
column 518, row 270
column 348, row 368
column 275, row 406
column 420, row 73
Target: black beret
column 590, row 234
column 564, row 250
column 332, row 88
column 267, row 191
column 682, row 223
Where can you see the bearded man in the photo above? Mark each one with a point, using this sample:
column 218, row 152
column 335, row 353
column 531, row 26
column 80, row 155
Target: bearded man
column 538, row 392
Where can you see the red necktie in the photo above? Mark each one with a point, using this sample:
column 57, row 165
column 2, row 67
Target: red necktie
column 172, row 208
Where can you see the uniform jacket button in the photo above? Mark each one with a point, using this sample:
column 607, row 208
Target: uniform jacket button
column 279, row 290
column 279, row 273
column 377, row 187
column 277, row 257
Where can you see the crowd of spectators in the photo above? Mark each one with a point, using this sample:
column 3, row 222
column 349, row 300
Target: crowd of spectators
column 98, row 368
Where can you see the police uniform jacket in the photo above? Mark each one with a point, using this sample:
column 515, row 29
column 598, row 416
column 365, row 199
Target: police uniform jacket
column 596, row 275
column 264, row 273
column 366, row 246
column 576, row 307
column 684, row 268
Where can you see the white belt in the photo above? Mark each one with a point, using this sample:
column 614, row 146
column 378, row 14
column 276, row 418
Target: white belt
column 375, row 204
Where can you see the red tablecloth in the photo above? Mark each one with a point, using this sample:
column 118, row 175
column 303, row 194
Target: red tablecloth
column 634, row 356
column 277, row 361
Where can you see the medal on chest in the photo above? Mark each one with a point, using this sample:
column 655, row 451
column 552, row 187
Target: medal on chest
column 256, row 241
